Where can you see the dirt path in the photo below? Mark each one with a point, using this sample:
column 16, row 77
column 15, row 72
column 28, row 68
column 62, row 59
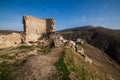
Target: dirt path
column 40, row 67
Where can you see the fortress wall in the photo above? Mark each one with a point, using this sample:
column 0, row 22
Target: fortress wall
column 35, row 27
column 50, row 25
column 10, row 40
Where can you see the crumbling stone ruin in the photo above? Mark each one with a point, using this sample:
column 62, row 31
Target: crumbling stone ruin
column 10, row 40
column 41, row 31
column 34, row 29
column 56, row 39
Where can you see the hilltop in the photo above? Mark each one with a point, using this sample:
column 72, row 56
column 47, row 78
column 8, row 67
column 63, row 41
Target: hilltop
column 41, row 53
column 105, row 39
column 45, row 63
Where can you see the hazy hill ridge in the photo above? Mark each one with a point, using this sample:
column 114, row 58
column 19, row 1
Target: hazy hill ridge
column 105, row 39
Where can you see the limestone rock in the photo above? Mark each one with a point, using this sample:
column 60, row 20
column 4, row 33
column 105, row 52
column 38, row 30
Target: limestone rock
column 80, row 50
column 71, row 44
column 79, row 41
column 87, row 59
column 57, row 39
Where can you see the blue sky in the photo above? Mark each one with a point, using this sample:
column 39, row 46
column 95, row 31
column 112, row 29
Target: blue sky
column 68, row 13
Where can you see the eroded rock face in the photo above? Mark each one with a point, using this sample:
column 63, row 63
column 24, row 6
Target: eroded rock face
column 34, row 28
column 10, row 40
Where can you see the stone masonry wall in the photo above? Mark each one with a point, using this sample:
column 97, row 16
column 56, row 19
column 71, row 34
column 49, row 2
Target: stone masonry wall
column 35, row 27
column 50, row 25
column 10, row 40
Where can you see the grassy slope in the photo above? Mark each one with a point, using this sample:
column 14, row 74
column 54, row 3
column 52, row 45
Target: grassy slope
column 70, row 65
column 11, row 67
column 102, row 61
column 9, row 61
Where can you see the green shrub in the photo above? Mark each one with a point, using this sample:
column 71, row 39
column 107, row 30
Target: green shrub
column 65, row 65
column 5, row 71
column 25, row 47
column 6, row 56
column 62, row 67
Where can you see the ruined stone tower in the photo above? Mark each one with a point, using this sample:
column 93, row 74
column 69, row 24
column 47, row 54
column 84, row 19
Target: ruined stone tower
column 35, row 27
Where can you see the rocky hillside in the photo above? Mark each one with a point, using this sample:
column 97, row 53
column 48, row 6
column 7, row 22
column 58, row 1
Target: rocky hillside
column 57, row 58
column 105, row 39
column 44, row 63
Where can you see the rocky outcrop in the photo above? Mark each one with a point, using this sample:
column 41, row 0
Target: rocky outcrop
column 71, row 44
column 79, row 49
column 87, row 59
column 56, row 39
column 79, row 41
column 34, row 28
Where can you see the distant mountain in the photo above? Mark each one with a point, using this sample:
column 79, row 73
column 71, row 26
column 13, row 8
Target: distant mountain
column 105, row 39
column 2, row 32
